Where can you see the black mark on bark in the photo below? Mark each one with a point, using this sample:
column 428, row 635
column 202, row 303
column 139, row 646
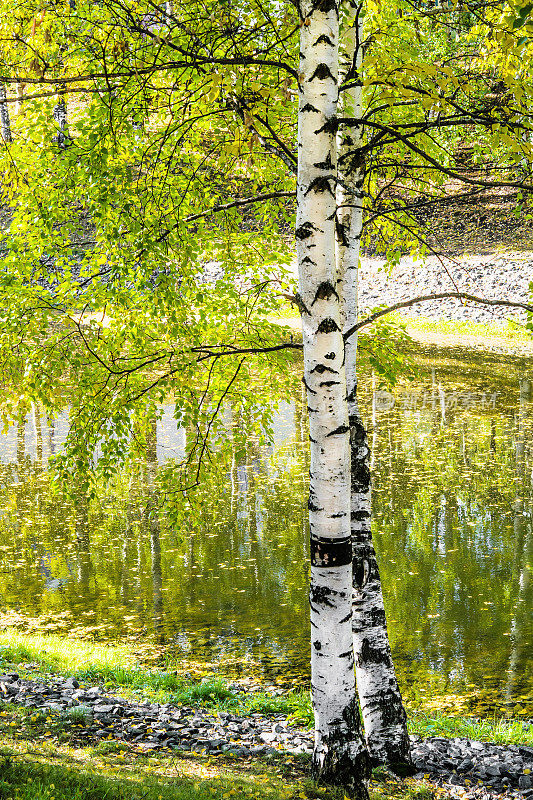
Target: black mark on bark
column 338, row 431
column 342, row 234
column 329, row 126
column 330, row 552
column 321, row 368
column 321, row 184
column 305, row 231
column 323, row 39
column 307, row 386
column 324, row 292
column 325, row 5
column 322, row 73
column 327, row 164
column 361, row 572
column 371, row 655
column 320, row 595
column 327, row 325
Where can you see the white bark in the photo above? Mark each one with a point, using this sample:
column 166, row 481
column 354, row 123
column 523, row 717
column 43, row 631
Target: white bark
column 60, row 117
column 4, row 115
column 339, row 755
column 379, row 695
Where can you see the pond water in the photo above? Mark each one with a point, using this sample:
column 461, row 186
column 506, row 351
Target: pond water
column 452, row 460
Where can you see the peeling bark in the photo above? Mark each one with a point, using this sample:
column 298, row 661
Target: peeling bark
column 340, row 755
column 379, row 695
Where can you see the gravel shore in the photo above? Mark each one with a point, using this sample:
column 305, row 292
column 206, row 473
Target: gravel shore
column 506, row 277
column 466, row 768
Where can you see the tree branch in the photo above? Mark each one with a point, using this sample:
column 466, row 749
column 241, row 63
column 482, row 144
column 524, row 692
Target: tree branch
column 438, row 296
column 225, row 206
column 217, row 350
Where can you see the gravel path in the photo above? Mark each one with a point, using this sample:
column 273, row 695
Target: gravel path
column 467, row 768
column 494, row 277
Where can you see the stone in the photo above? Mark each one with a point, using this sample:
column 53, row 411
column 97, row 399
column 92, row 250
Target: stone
column 455, row 780
column 525, row 782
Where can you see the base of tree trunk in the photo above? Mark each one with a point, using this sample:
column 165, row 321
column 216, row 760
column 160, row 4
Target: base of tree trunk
column 393, row 753
column 340, row 766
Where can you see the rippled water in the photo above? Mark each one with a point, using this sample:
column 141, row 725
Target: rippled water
column 452, row 464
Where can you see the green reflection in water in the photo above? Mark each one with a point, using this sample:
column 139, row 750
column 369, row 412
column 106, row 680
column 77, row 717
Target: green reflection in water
column 452, row 466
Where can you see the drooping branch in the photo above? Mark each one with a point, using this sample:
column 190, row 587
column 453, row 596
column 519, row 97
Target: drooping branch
column 218, row 350
column 427, row 157
column 187, row 63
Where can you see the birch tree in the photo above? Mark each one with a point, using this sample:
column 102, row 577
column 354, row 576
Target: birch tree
column 140, row 214
column 339, row 755
column 60, row 119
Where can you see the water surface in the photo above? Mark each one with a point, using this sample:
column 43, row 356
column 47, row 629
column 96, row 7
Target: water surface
column 452, row 459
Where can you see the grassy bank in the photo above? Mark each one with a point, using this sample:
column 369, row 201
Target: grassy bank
column 509, row 331
column 114, row 667
column 508, row 338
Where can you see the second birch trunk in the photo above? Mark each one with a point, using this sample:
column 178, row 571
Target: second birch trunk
column 384, row 717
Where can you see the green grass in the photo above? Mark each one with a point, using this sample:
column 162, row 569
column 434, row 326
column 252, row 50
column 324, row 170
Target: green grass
column 499, row 731
column 510, row 331
column 114, row 667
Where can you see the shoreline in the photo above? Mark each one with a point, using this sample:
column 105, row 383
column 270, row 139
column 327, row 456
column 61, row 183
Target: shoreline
column 94, row 715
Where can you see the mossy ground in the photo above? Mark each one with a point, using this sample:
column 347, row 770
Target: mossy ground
column 41, row 759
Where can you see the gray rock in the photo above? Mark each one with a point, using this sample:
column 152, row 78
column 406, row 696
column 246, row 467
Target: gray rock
column 102, row 708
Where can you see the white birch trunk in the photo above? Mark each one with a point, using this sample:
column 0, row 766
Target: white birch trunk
column 339, row 756
column 60, row 117
column 4, row 115
column 379, row 695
